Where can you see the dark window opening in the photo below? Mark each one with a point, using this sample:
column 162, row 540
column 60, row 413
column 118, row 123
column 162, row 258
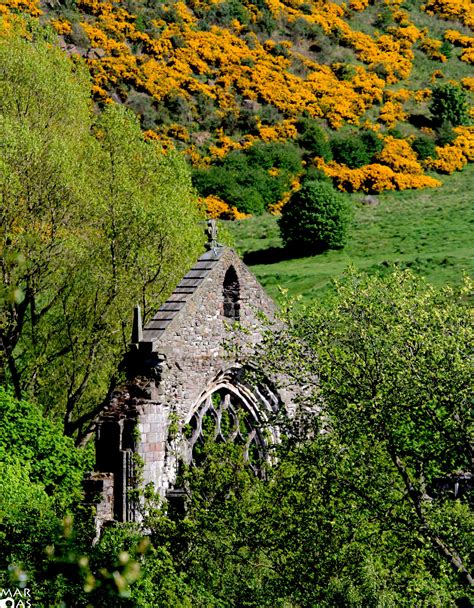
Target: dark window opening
column 231, row 294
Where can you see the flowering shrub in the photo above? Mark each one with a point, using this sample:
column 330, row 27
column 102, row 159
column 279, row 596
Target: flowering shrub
column 454, row 156
column 374, row 178
column 358, row 5
column 397, row 168
column 422, row 95
column 436, row 75
column 467, row 42
column 392, row 112
column 449, row 159
column 431, row 48
column 61, row 26
column 27, row 6
column 465, row 141
column 399, row 156
column 217, row 208
column 454, row 10
column 468, row 84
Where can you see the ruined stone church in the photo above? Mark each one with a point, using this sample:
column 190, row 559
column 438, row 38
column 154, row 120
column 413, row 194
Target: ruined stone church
column 184, row 386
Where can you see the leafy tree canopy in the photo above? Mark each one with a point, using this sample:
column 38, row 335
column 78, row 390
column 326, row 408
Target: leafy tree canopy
column 316, row 218
column 388, row 363
column 94, row 220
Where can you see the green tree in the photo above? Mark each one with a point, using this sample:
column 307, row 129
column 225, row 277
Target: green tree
column 44, row 138
column 388, row 363
column 316, row 218
column 449, row 104
column 91, row 225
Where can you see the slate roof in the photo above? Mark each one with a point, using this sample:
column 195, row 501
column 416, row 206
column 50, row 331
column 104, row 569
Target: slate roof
column 193, row 279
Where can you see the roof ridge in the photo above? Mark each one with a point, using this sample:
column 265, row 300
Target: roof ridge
column 181, row 294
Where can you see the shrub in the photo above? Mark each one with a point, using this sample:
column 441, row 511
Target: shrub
column 283, row 156
column 244, row 178
column 424, row 147
column 445, row 134
column 350, row 150
column 224, row 13
column 314, row 174
column 313, row 139
column 31, row 439
column 232, row 186
column 448, row 104
column 372, row 142
column 446, row 48
column 316, row 218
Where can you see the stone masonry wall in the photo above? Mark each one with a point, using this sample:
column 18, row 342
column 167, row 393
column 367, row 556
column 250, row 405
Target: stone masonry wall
column 192, row 353
column 176, row 361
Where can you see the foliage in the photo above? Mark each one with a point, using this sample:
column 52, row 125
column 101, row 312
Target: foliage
column 396, row 168
column 350, row 150
column 391, row 361
column 28, row 438
column 91, row 225
column 448, row 103
column 45, row 532
column 251, row 179
column 316, row 218
column 313, row 139
column 209, row 78
column 42, row 476
column 352, row 512
column 211, row 544
column 424, row 147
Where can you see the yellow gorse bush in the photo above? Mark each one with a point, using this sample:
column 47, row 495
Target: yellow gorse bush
column 217, row 208
column 456, row 155
column 454, row 10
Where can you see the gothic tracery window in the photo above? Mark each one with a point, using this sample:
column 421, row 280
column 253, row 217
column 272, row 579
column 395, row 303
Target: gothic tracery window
column 223, row 417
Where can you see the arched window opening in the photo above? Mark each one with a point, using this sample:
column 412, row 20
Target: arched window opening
column 231, row 294
column 222, row 417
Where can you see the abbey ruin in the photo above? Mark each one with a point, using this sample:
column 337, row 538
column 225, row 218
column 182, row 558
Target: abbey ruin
column 182, row 382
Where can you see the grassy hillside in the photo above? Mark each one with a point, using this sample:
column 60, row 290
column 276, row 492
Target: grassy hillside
column 430, row 232
column 216, row 78
column 258, row 95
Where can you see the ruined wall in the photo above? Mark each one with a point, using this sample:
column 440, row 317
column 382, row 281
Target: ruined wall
column 192, row 353
column 176, row 362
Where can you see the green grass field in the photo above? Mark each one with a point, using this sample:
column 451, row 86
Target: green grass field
column 429, row 231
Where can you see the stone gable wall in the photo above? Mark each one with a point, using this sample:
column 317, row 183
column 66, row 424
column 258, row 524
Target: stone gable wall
column 193, row 353
column 168, row 379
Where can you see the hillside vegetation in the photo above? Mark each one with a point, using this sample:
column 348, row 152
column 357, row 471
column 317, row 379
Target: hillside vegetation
column 258, row 94
column 425, row 231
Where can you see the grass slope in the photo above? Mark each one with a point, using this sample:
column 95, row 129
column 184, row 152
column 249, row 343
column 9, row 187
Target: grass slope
column 427, row 231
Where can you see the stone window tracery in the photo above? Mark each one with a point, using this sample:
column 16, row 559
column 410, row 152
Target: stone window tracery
column 223, row 417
